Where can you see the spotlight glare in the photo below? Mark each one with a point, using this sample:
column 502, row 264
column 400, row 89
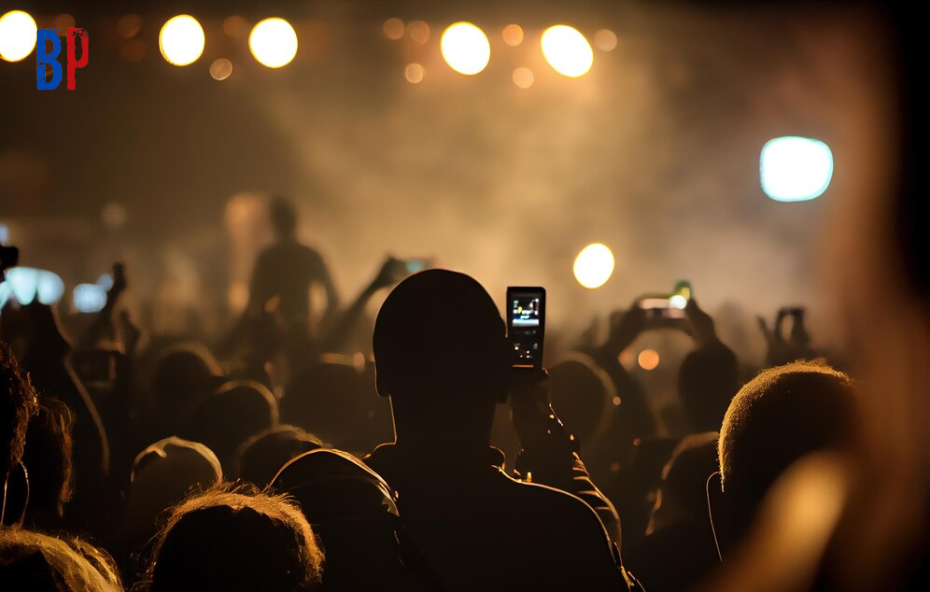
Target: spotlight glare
column 795, row 169
column 567, row 51
column 605, row 40
column 88, row 298
column 17, row 35
column 393, row 28
column 414, row 73
column 465, row 48
column 513, row 35
column 648, row 359
column 181, row 40
column 523, row 77
column 28, row 284
column 221, row 69
column 273, row 42
column 594, row 266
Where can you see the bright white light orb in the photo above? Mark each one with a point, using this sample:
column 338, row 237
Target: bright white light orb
column 181, row 40
column 17, row 35
column 594, row 266
column 465, row 48
column 795, row 169
column 273, row 42
column 89, row 298
column 567, row 51
column 28, row 284
column 678, row 301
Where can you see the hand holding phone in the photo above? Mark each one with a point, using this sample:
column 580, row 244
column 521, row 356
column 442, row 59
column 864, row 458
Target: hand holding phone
column 526, row 325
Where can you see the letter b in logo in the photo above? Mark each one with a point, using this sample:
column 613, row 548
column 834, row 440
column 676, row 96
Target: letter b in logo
column 43, row 58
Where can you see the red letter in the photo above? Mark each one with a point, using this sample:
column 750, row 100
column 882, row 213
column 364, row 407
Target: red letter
column 73, row 64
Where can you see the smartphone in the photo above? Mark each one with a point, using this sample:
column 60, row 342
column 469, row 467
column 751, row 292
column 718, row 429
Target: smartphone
column 662, row 308
column 526, row 326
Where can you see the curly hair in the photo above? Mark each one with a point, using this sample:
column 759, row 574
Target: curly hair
column 18, row 404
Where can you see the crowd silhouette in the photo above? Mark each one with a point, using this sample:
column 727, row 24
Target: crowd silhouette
column 277, row 459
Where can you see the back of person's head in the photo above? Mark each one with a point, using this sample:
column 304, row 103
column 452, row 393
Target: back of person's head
column 780, row 416
column 48, row 458
column 353, row 511
column 283, row 216
column 40, row 563
column 235, row 412
column 439, row 346
column 707, row 380
column 337, row 401
column 682, row 492
column 261, row 457
column 236, row 540
column 183, row 374
column 162, row 476
column 581, row 394
column 18, row 404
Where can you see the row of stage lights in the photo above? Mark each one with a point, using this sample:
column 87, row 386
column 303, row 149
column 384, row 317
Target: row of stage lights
column 273, row 43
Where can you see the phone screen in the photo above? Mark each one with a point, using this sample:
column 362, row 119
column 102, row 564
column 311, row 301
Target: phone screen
column 526, row 322
column 663, row 308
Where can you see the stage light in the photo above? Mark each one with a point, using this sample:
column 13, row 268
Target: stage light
column 605, row 40
column 414, row 73
column 795, row 169
column 594, row 265
column 88, row 298
column 221, row 69
column 648, row 359
column 28, row 284
column 567, row 51
column 393, row 29
column 273, row 42
column 419, row 32
column 105, row 281
column 523, row 77
column 513, row 35
column 465, row 48
column 181, row 40
column 17, row 35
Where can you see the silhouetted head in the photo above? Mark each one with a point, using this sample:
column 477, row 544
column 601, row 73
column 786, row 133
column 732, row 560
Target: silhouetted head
column 682, row 493
column 337, row 402
column 353, row 512
column 780, row 416
column 261, row 457
column 236, row 541
column 18, row 404
column 707, row 381
column 41, row 563
column 235, row 412
column 283, row 216
column 184, row 374
column 441, row 354
column 581, row 395
column 162, row 476
column 48, row 458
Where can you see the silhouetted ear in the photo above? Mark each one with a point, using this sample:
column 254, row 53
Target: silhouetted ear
column 16, row 496
column 717, row 512
column 381, row 384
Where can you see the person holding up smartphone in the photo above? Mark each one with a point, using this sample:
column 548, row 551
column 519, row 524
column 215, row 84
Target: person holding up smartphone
column 443, row 359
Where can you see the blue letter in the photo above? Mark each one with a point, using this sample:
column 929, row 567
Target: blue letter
column 47, row 58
